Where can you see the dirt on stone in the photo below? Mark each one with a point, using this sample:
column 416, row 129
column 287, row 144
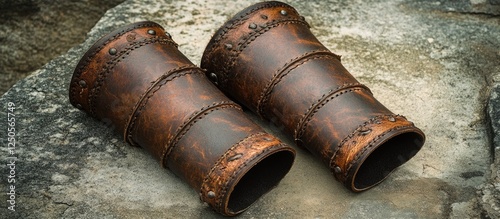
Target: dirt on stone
column 32, row 32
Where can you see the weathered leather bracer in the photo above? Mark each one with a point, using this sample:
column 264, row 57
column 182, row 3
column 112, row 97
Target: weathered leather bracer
column 136, row 79
column 266, row 58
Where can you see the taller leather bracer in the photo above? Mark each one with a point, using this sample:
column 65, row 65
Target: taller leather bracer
column 266, row 58
column 137, row 80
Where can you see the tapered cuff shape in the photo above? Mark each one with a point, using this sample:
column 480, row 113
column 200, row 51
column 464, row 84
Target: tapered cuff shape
column 138, row 82
column 267, row 59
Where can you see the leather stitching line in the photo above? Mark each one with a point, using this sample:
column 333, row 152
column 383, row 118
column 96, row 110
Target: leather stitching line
column 353, row 133
column 243, row 44
column 89, row 58
column 188, row 123
column 372, row 142
column 235, row 173
column 281, row 73
column 240, row 21
column 315, row 107
column 139, row 104
column 145, row 102
column 108, row 68
column 224, row 156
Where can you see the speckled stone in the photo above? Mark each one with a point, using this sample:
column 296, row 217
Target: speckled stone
column 33, row 32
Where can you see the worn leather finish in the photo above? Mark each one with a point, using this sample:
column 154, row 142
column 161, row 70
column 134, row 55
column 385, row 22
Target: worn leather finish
column 266, row 58
column 136, row 80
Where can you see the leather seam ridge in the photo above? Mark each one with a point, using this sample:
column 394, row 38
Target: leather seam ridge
column 284, row 71
column 109, row 67
column 144, row 98
column 370, row 145
column 240, row 168
column 88, row 59
column 353, row 133
column 188, row 123
column 240, row 21
column 245, row 42
column 315, row 107
column 218, row 162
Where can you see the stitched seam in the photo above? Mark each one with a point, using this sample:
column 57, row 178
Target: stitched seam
column 89, row 58
column 243, row 44
column 371, row 144
column 109, row 67
column 281, row 73
column 133, row 116
column 224, row 156
column 315, row 104
column 243, row 18
column 315, row 107
column 235, row 173
column 188, row 123
column 145, row 102
column 240, row 21
column 353, row 133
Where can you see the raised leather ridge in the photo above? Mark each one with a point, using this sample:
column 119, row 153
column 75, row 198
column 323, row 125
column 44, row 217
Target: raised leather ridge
column 267, row 59
column 136, row 81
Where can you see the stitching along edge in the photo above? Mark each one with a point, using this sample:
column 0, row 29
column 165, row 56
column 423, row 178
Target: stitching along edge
column 315, row 107
column 237, row 172
column 188, row 123
column 218, row 163
column 371, row 144
column 144, row 98
column 220, row 184
column 245, row 42
column 108, row 68
column 363, row 128
column 285, row 70
column 89, row 58
column 240, row 21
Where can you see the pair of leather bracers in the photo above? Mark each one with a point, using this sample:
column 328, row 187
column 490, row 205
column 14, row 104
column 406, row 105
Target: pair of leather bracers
column 266, row 59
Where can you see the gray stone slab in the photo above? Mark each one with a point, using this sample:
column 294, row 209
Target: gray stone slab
column 489, row 195
column 32, row 32
column 433, row 66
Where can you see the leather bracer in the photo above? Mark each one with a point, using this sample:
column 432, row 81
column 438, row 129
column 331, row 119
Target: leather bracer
column 136, row 79
column 267, row 59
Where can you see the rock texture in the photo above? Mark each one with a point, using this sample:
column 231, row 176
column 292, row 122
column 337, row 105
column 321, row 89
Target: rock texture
column 490, row 191
column 33, row 32
column 427, row 60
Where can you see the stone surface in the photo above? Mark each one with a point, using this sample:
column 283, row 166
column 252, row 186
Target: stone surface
column 33, row 32
column 486, row 8
column 490, row 192
column 435, row 66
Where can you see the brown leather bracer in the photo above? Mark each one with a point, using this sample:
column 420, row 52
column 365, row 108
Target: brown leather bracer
column 266, row 58
column 136, row 79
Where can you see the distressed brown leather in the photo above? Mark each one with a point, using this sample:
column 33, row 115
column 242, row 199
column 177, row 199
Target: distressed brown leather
column 136, row 79
column 266, row 58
